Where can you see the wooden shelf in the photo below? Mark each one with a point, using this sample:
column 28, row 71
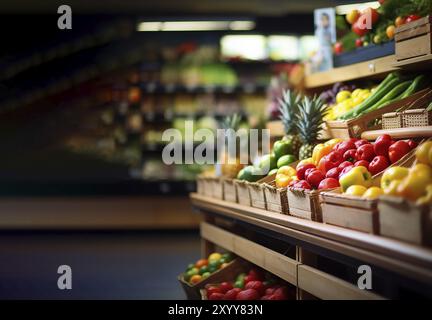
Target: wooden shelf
column 399, row 133
column 402, row 258
column 372, row 68
column 318, row 283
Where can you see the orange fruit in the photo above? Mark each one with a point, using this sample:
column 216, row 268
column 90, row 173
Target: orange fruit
column 195, row 279
column 201, row 263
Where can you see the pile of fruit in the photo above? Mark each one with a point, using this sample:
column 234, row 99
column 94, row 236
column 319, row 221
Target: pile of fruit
column 203, row 268
column 343, row 99
column 384, row 20
column 414, row 184
column 349, row 163
column 255, row 285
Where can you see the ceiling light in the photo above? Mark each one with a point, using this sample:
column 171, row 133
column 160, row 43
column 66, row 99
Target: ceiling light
column 216, row 25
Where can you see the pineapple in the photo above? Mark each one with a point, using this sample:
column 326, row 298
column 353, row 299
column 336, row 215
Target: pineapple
column 288, row 107
column 231, row 167
column 309, row 123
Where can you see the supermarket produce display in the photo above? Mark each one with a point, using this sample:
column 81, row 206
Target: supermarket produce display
column 339, row 196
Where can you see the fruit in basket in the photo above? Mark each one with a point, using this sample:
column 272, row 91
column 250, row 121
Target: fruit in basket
column 282, row 147
column 365, row 152
column 214, row 257
column 288, row 107
column 414, row 185
column 256, row 285
column 301, row 170
column 268, row 162
column 248, row 294
column 309, row 123
column 373, row 193
column 201, row 263
column 356, row 176
column 378, row 164
column 286, row 160
column 231, row 164
column 216, row 296
column 195, row 279
column 250, row 173
column 412, row 17
column 400, row 21
column 314, row 178
column 392, row 174
column 423, row 153
column 350, row 155
column 302, row 184
column 352, row 16
column 356, row 190
column 382, row 144
column 397, row 150
column 319, row 151
column 426, row 199
column 390, row 31
column 330, row 161
column 328, row 183
column 333, row 173
column 232, row 294
column 342, row 96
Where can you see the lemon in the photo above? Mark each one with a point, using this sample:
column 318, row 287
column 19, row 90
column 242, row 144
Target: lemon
column 342, row 96
column 356, row 92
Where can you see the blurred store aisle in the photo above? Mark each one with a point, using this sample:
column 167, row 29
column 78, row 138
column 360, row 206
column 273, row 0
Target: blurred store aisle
column 108, row 265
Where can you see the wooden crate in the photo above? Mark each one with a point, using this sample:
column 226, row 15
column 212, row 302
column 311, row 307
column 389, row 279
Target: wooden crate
column 200, row 185
column 217, row 188
column 208, row 187
column 353, row 212
column 304, row 204
column 276, row 198
column 230, row 190
column 350, row 212
column 243, row 195
column 256, row 191
column 193, row 291
column 353, row 128
column 403, row 220
column 413, row 39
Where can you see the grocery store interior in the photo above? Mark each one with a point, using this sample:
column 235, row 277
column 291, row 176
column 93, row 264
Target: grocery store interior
column 108, row 108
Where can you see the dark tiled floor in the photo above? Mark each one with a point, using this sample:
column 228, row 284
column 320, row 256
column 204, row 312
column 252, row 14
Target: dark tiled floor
column 115, row 265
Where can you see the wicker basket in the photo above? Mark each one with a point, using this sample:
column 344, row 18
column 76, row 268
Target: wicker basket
column 392, row 120
column 416, row 118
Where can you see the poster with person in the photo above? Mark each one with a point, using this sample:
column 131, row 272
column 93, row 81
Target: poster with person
column 325, row 32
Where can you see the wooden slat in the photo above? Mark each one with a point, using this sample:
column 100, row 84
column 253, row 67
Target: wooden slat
column 355, row 71
column 325, row 286
column 407, row 259
column 84, row 213
column 400, row 133
column 274, row 262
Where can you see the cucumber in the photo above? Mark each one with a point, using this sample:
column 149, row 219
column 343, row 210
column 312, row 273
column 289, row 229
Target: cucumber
column 415, row 86
column 372, row 98
column 389, row 97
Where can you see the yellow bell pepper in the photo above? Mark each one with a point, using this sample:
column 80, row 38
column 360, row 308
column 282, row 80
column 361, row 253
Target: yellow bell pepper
column 413, row 186
column 391, row 174
column 427, row 199
column 333, row 142
column 356, row 176
column 320, row 151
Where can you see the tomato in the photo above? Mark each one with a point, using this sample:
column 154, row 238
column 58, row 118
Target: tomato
column 225, row 286
column 338, row 48
column 201, row 263
column 362, row 163
column 270, row 291
column 302, row 184
column 257, row 285
column 328, row 183
column 412, row 17
column 309, row 171
column 281, row 293
column 330, row 161
column 361, row 142
column 314, row 178
column 365, row 152
column 216, row 296
column 231, row 294
column 344, row 171
column 249, row 278
column 382, row 144
column 344, row 146
column 248, row 294
column 350, row 155
column 213, row 289
column 359, row 43
column 301, row 170
column 334, row 173
column 378, row 164
column 390, row 31
column 398, row 150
